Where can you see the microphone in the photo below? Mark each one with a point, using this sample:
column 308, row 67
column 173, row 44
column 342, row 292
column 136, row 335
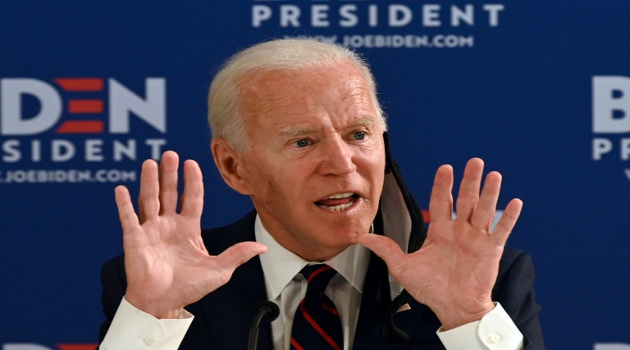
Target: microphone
column 266, row 311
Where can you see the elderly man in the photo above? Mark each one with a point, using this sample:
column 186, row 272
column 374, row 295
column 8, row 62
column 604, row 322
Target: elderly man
column 298, row 128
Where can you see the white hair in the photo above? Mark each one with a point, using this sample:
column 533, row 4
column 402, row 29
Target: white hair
column 281, row 54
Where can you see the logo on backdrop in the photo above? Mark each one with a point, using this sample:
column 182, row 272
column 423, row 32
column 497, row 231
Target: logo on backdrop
column 611, row 119
column 378, row 24
column 78, row 129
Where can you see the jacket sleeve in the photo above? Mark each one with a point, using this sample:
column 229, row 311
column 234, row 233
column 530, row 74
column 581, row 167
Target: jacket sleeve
column 114, row 281
column 515, row 291
column 131, row 328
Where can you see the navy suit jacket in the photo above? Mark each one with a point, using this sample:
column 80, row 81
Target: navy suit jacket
column 223, row 317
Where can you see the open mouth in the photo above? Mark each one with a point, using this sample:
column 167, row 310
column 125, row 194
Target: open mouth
column 338, row 202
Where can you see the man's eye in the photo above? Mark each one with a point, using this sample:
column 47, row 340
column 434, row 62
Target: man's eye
column 359, row 135
column 302, row 143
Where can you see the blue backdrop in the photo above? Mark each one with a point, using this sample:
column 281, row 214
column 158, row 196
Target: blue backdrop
column 539, row 89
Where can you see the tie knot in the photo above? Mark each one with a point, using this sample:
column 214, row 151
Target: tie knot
column 317, row 276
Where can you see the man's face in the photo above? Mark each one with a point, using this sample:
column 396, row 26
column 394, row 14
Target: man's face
column 316, row 166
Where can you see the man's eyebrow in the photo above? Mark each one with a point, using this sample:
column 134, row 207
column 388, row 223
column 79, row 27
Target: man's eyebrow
column 294, row 131
column 366, row 121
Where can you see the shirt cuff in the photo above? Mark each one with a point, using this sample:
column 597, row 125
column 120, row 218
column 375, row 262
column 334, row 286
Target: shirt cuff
column 135, row 329
column 495, row 331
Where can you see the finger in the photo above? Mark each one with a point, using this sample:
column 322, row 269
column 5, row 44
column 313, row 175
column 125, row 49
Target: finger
column 128, row 217
column 168, row 182
column 385, row 248
column 441, row 203
column 469, row 189
column 486, row 208
column 192, row 198
column 148, row 200
column 239, row 254
column 505, row 225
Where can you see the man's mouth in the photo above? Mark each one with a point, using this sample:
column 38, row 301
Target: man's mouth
column 338, row 202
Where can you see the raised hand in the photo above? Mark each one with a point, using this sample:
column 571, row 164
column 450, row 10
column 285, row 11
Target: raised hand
column 167, row 264
column 454, row 271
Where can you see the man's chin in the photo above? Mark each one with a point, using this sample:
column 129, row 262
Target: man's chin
column 345, row 238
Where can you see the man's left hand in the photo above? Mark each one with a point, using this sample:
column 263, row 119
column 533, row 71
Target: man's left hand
column 456, row 268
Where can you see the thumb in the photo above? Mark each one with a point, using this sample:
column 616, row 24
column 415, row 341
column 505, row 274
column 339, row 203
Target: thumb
column 384, row 247
column 239, row 254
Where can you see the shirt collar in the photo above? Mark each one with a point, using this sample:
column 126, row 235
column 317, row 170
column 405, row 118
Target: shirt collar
column 280, row 265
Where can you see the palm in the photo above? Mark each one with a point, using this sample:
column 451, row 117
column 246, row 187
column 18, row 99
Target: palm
column 454, row 271
column 166, row 261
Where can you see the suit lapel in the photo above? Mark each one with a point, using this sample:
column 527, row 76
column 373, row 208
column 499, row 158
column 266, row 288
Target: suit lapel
column 382, row 323
column 374, row 306
column 230, row 310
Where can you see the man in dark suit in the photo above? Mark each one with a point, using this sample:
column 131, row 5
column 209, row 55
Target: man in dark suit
column 298, row 128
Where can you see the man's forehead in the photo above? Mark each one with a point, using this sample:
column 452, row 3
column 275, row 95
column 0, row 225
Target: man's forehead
column 286, row 95
column 269, row 80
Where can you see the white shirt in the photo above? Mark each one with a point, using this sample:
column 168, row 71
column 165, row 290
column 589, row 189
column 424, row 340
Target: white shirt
column 287, row 287
column 133, row 329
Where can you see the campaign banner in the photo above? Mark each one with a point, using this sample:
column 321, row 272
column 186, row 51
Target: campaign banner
column 538, row 89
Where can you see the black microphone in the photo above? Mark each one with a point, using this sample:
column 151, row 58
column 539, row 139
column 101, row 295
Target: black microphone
column 266, row 311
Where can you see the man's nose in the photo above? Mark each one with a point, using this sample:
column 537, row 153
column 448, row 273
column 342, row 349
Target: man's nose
column 337, row 158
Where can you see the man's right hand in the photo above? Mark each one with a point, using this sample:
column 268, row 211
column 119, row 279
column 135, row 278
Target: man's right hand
column 167, row 264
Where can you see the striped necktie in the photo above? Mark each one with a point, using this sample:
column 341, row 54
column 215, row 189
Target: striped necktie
column 316, row 324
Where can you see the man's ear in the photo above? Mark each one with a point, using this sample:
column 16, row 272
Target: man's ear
column 230, row 165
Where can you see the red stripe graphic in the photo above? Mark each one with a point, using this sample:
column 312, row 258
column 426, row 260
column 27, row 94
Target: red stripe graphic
column 85, row 106
column 77, row 346
column 81, row 127
column 80, row 84
column 318, row 328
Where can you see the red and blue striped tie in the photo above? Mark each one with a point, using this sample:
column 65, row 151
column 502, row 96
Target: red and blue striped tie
column 316, row 324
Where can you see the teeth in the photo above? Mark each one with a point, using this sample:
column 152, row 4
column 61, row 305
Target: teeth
column 342, row 195
column 340, row 207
